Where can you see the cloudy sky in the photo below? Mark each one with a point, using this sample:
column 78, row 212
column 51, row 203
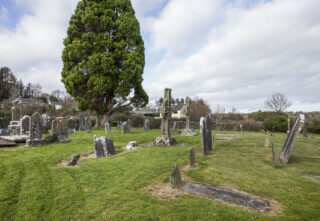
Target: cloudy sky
column 228, row 52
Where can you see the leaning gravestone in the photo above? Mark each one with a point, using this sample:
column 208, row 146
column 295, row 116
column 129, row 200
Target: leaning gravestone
column 36, row 128
column 103, row 147
column 88, row 124
column 73, row 160
column 125, row 128
column 72, row 123
column 107, row 128
column 206, row 135
column 25, row 125
column 59, row 130
column 82, row 123
column 187, row 111
column 175, row 178
column 147, row 124
column 165, row 111
column 291, row 139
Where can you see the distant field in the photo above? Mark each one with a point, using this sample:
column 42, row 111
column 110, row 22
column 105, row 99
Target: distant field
column 33, row 187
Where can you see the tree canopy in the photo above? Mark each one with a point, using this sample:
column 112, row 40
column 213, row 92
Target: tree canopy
column 103, row 58
column 277, row 102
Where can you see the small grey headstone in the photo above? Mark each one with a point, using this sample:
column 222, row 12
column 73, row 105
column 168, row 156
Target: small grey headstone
column 73, row 159
column 125, row 128
column 88, row 124
column 175, row 177
column 107, row 128
column 36, row 128
column 267, row 142
column 147, row 124
column 82, row 123
column 59, row 130
column 25, row 124
column 103, row 147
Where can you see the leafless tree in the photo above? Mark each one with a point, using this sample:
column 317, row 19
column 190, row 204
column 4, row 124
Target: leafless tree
column 277, row 102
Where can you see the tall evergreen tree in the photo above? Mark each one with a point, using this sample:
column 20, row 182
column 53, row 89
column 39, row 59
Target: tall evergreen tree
column 104, row 57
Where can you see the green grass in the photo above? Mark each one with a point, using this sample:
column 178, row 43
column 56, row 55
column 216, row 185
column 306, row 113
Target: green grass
column 33, row 187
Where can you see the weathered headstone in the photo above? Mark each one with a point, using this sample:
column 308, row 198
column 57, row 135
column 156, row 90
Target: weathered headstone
column 305, row 131
column 188, row 131
column 129, row 126
column 147, row 124
column 192, row 157
column 273, row 155
column 103, row 147
column 59, row 130
column 175, row 177
column 125, row 128
column 72, row 123
column 47, row 121
column 206, row 136
column 267, row 142
column 241, row 128
column 88, row 124
column 291, row 139
column 16, row 110
column 107, row 128
column 132, row 145
column 73, row 160
column 15, row 127
column 36, row 128
column 82, row 123
column 25, row 125
column 165, row 111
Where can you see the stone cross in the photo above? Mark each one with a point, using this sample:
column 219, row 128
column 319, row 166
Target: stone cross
column 16, row 109
column 291, row 139
column 107, row 128
column 103, row 147
column 82, row 123
column 59, row 130
column 175, row 178
column 35, row 129
column 192, row 158
column 165, row 111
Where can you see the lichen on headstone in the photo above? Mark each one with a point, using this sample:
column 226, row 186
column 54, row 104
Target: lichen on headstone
column 175, row 177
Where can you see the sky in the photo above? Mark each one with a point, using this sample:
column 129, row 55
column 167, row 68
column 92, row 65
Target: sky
column 231, row 53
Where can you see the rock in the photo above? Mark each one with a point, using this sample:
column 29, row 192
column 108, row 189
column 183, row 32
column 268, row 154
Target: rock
column 103, row 147
column 291, row 139
column 73, row 159
column 132, row 145
column 59, row 130
column 192, row 157
column 107, row 128
column 175, row 177
column 165, row 112
column 36, row 128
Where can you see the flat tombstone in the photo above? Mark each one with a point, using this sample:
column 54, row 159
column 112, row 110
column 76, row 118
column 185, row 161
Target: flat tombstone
column 291, row 139
column 125, row 128
column 175, row 177
column 103, row 147
column 25, row 124
column 88, row 124
column 147, row 124
column 60, row 130
column 107, row 128
column 36, row 129
column 82, row 123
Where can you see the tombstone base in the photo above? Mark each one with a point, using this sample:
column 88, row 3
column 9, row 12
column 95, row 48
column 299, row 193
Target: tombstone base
column 166, row 141
column 34, row 143
column 188, row 133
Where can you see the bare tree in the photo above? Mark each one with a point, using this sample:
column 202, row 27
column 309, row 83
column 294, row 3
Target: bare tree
column 277, row 102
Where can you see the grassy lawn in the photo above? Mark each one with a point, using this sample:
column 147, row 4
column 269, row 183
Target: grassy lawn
column 33, row 187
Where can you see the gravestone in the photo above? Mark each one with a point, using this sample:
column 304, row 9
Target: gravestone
column 165, row 111
column 15, row 127
column 147, row 124
column 25, row 125
column 174, row 125
column 72, row 123
column 192, row 158
column 187, row 111
column 288, row 131
column 206, row 136
column 125, row 128
column 201, row 124
column 59, row 130
column 88, row 124
column 119, row 124
column 103, row 147
column 107, row 128
column 73, row 160
column 305, row 131
column 82, row 123
column 241, row 128
column 47, row 121
column 175, row 178
column 132, row 145
column 312, row 136
column 16, row 110
column 267, row 142
column 291, row 139
column 4, row 132
column 129, row 126
column 273, row 156
column 36, row 128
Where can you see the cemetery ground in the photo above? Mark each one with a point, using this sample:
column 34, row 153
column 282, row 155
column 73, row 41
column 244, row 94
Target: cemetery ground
column 34, row 187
